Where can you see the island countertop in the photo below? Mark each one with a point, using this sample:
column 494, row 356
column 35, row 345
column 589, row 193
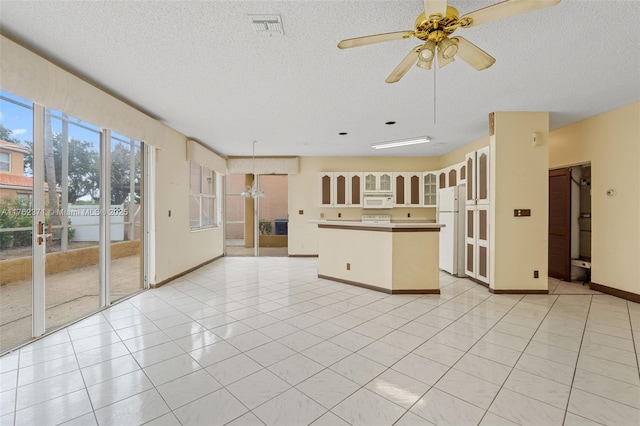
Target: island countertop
column 396, row 257
column 418, row 226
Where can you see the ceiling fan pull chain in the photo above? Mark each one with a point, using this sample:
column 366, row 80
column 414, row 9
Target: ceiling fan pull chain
column 434, row 94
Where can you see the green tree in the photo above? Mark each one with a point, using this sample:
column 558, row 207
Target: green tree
column 121, row 173
column 7, row 135
column 84, row 166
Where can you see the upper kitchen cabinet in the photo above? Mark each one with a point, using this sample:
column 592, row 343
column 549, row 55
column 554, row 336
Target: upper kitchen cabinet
column 355, row 187
column 430, row 189
column 477, row 173
column 326, row 189
column 452, row 176
column 442, row 179
column 341, row 189
column 378, row 182
column 408, row 189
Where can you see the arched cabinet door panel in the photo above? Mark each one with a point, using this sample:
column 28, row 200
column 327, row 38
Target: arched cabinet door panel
column 476, row 171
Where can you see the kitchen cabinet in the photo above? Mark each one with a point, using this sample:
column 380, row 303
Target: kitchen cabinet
column 347, row 189
column 477, row 215
column 430, row 189
column 341, row 189
column 442, row 179
column 452, row 176
column 355, row 187
column 378, row 182
column 408, row 189
column 326, row 189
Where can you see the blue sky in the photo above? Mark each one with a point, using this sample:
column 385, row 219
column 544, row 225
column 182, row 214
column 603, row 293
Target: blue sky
column 16, row 118
column 19, row 119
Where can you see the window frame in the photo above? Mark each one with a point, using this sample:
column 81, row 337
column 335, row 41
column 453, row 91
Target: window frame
column 8, row 162
column 204, row 197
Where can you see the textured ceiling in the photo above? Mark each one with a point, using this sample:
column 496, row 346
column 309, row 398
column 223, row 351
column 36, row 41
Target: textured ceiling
column 199, row 67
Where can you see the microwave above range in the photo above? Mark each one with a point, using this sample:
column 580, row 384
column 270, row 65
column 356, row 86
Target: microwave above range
column 378, row 200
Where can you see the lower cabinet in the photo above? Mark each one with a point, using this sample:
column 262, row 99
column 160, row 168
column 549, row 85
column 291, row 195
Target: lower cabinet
column 477, row 242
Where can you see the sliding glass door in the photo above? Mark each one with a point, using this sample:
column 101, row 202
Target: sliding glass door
column 70, row 219
column 71, row 199
column 126, row 214
column 16, row 227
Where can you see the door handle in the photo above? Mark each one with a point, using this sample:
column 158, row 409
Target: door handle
column 40, row 232
column 49, row 233
column 41, row 235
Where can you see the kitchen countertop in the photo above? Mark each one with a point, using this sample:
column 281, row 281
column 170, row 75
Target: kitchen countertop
column 392, row 225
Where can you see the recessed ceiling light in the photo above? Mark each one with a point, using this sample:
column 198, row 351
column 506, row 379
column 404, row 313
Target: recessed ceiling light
column 342, row 133
column 390, row 123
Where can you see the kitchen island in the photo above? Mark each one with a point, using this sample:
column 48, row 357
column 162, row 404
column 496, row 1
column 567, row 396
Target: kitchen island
column 390, row 257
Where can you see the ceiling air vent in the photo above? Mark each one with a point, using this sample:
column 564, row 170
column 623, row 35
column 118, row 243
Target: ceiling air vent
column 267, row 25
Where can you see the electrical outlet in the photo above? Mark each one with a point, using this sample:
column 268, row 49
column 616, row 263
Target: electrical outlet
column 408, row 214
column 348, row 266
column 169, row 213
column 535, row 274
column 300, row 211
column 339, row 214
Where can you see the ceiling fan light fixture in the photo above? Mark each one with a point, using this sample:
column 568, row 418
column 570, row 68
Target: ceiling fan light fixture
column 428, row 51
column 425, row 65
column 442, row 61
column 448, row 48
column 404, row 142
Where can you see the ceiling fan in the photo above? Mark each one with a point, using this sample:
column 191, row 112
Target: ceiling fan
column 436, row 24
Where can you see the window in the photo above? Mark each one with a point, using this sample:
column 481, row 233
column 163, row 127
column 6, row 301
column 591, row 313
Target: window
column 202, row 211
column 5, row 162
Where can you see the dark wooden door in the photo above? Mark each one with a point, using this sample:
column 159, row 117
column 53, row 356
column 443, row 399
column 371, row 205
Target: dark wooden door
column 560, row 224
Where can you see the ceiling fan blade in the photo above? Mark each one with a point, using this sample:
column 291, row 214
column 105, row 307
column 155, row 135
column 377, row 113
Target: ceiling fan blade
column 504, row 10
column 472, row 54
column 376, row 38
column 404, row 65
column 432, row 7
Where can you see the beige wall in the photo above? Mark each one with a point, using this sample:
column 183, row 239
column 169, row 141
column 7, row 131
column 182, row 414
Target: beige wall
column 177, row 247
column 457, row 156
column 519, row 180
column 611, row 143
column 304, row 195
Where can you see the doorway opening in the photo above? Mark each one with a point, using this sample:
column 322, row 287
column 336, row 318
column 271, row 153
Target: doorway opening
column 261, row 219
column 569, row 228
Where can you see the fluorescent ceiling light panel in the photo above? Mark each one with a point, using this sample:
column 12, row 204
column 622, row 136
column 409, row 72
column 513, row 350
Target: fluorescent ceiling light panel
column 405, row 142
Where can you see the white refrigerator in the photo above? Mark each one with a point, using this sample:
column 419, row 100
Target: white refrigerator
column 451, row 205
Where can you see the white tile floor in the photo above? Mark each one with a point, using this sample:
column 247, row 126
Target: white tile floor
column 246, row 341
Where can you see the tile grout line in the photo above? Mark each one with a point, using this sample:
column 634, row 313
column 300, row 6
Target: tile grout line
column 352, row 352
column 465, row 353
column 511, row 368
column 575, row 369
column 249, row 288
column 633, row 338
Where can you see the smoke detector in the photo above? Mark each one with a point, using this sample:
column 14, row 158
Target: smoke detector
column 267, row 25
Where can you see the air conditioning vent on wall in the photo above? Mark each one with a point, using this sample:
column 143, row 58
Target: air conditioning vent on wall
column 267, row 24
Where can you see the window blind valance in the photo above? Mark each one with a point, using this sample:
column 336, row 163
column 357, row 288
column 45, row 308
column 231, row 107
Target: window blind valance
column 204, row 156
column 264, row 165
column 30, row 76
